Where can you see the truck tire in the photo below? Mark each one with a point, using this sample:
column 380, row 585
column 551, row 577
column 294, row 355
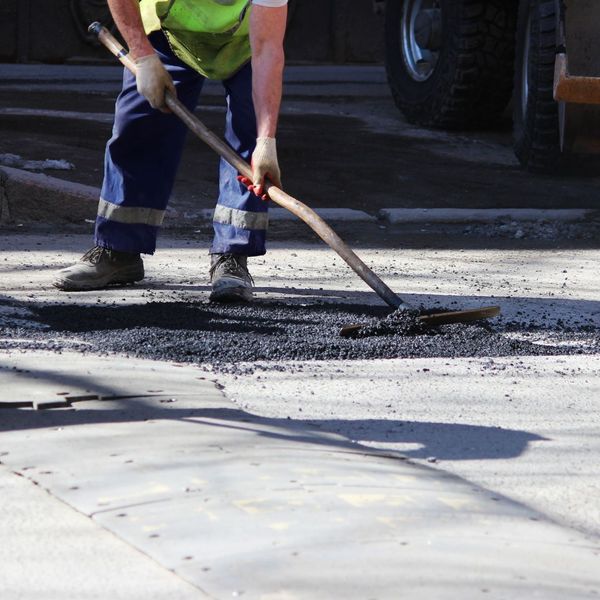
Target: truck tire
column 536, row 114
column 450, row 63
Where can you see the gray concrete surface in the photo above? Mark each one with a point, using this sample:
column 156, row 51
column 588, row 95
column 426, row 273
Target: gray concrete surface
column 36, row 198
column 49, row 550
column 527, row 428
column 240, row 505
column 533, row 280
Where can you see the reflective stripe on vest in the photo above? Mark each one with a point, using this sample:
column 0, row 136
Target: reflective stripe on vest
column 242, row 219
column 131, row 215
column 211, row 36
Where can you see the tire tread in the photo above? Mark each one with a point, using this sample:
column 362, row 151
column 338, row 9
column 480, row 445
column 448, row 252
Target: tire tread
column 476, row 80
column 536, row 136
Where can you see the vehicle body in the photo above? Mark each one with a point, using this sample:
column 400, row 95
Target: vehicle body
column 456, row 63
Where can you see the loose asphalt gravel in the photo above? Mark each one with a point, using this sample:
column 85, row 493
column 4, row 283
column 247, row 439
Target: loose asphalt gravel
column 224, row 335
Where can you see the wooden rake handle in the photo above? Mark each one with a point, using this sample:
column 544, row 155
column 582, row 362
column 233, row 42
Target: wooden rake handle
column 309, row 216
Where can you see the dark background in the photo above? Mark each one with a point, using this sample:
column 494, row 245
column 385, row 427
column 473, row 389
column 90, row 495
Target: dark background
column 54, row 31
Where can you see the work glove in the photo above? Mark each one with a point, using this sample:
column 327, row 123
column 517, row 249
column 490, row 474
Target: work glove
column 153, row 80
column 264, row 165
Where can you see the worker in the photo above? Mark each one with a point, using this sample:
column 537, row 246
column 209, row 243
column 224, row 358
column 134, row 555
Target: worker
column 176, row 46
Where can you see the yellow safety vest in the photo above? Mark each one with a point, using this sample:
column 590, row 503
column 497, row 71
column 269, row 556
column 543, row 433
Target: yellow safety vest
column 211, row 36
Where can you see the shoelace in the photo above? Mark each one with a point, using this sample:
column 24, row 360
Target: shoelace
column 231, row 264
column 94, row 255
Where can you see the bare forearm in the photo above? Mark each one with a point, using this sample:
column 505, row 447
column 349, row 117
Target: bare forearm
column 267, row 30
column 267, row 74
column 126, row 14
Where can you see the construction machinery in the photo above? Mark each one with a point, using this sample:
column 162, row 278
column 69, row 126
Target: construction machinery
column 456, row 64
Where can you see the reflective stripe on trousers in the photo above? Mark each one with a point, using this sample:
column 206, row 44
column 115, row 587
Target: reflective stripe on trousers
column 242, row 219
column 130, row 214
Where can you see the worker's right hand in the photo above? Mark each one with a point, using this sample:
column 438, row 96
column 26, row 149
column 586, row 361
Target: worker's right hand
column 153, row 81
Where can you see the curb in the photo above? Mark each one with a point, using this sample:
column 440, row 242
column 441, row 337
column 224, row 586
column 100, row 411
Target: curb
column 340, row 215
column 27, row 197
column 281, row 215
column 398, row 216
column 35, row 198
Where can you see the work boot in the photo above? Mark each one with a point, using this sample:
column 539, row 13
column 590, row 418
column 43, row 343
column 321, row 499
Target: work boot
column 230, row 279
column 98, row 268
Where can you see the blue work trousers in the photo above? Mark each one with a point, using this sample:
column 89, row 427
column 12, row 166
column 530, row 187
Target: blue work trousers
column 144, row 152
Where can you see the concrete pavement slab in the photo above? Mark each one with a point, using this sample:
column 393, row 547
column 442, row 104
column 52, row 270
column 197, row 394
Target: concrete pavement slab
column 245, row 505
column 375, row 540
column 49, row 550
column 526, row 427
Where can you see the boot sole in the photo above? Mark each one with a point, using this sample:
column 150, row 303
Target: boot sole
column 231, row 294
column 124, row 276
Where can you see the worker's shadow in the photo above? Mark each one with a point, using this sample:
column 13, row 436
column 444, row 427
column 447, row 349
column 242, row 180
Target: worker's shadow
column 430, row 440
column 444, row 441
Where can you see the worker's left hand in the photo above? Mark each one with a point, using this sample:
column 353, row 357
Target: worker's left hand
column 153, row 81
column 264, row 165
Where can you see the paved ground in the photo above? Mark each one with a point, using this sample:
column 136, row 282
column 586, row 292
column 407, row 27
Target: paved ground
column 499, row 427
column 50, row 550
column 242, row 505
column 524, row 426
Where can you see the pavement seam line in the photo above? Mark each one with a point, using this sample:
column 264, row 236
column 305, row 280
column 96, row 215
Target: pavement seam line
column 102, row 527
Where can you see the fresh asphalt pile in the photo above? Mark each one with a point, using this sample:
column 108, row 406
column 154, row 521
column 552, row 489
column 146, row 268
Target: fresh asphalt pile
column 225, row 335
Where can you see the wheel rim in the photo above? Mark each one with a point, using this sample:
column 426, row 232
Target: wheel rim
column 525, row 70
column 421, row 37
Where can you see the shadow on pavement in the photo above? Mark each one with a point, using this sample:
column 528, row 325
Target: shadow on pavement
column 442, row 441
column 445, row 441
